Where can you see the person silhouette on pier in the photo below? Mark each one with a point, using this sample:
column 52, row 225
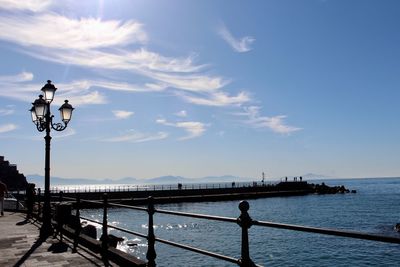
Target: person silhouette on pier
column 30, row 200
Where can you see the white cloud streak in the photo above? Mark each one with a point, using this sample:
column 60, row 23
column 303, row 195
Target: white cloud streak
column 193, row 128
column 80, row 92
column 20, row 77
column 276, row 123
column 239, row 45
column 217, row 99
column 58, row 135
column 59, row 32
column 122, row 114
column 136, row 137
column 29, row 5
column 7, row 128
column 181, row 113
column 66, row 133
column 172, row 72
column 9, row 110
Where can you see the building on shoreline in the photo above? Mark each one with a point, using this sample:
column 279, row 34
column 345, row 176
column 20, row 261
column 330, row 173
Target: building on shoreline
column 10, row 175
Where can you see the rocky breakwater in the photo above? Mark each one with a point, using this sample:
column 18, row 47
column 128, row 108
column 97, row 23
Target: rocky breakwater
column 325, row 189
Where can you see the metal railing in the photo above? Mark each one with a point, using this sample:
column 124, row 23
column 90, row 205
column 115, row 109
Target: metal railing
column 244, row 221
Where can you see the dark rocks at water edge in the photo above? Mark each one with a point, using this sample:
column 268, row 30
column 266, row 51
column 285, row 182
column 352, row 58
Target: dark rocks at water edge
column 324, row 189
column 313, row 188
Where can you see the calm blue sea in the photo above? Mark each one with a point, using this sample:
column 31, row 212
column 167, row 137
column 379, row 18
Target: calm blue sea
column 374, row 209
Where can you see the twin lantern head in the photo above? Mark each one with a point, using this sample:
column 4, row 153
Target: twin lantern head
column 41, row 105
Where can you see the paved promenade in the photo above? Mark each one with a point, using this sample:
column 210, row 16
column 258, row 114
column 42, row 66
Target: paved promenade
column 20, row 246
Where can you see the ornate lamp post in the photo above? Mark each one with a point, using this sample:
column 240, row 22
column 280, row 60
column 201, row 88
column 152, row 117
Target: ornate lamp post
column 43, row 119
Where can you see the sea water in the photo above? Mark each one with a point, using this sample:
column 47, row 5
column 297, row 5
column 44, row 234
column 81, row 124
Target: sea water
column 373, row 209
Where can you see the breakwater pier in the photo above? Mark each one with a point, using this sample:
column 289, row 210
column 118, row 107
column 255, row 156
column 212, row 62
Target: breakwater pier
column 177, row 193
column 162, row 194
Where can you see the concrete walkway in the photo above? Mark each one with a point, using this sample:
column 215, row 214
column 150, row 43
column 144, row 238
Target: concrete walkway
column 20, row 246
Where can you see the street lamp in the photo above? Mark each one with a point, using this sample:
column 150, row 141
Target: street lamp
column 43, row 119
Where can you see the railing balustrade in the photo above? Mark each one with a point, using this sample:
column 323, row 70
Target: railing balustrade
column 244, row 221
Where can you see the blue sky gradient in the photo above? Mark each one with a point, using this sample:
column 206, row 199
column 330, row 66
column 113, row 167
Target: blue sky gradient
column 198, row 88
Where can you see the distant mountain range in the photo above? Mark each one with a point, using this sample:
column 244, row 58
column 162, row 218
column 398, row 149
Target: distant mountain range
column 39, row 180
column 169, row 179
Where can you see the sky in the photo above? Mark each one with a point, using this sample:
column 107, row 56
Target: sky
column 204, row 88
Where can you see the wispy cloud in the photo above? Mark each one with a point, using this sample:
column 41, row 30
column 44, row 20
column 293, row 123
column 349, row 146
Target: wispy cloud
column 122, row 114
column 66, row 133
column 9, row 110
column 20, row 77
column 178, row 73
column 83, row 41
column 99, row 44
column 193, row 128
column 133, row 136
column 275, row 123
column 181, row 113
column 79, row 92
column 217, row 99
column 57, row 135
column 239, row 45
column 59, row 32
column 107, row 45
column 8, row 127
column 30, row 5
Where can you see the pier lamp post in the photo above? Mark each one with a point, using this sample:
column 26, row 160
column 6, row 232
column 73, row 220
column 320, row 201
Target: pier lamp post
column 43, row 119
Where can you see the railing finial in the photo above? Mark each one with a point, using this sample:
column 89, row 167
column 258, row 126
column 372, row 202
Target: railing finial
column 245, row 223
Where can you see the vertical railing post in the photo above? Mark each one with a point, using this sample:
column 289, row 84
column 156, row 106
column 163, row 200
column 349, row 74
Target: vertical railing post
column 61, row 196
column 39, row 206
column 77, row 222
column 104, row 236
column 151, row 239
column 245, row 223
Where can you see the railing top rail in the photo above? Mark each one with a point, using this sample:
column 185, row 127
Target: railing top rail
column 328, row 231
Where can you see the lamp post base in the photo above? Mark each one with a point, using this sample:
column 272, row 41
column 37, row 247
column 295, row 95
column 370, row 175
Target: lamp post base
column 46, row 230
